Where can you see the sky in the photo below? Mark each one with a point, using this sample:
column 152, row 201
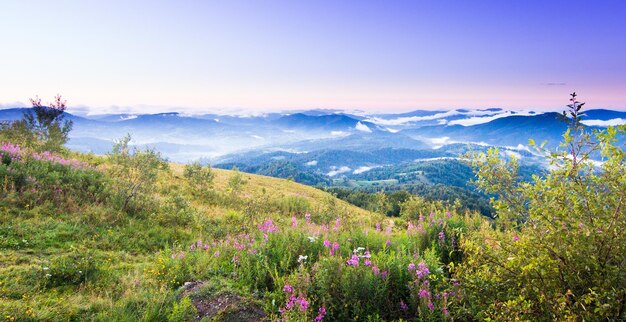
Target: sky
column 384, row 56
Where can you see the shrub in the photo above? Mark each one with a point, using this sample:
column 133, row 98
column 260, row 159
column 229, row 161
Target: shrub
column 558, row 251
column 200, row 178
column 135, row 174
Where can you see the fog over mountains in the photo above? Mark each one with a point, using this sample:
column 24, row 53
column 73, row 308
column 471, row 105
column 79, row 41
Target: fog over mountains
column 233, row 139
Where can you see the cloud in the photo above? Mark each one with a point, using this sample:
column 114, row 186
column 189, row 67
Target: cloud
column 553, row 84
column 362, row 127
column 484, row 119
column 335, row 171
column 362, row 169
column 602, row 123
column 311, row 163
column 436, row 116
column 338, row 133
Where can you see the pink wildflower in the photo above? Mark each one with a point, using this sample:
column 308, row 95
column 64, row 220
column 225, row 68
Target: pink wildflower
column 353, row 261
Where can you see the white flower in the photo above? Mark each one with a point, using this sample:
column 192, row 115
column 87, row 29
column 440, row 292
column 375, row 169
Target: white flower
column 312, row 238
column 48, row 275
column 46, row 268
column 302, row 258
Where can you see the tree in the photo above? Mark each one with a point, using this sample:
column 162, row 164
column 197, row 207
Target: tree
column 135, row 172
column 558, row 249
column 200, row 178
column 47, row 123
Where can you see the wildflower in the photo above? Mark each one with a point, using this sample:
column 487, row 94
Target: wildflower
column 216, row 254
column 431, row 306
column 334, row 248
column 388, row 230
column 326, row 243
column 288, row 288
column 337, row 224
column 353, row 261
column 423, row 294
column 321, row 313
column 291, row 302
column 378, row 226
column 268, row 226
column 312, row 238
column 304, row 304
column 442, row 237
column 302, row 259
column 515, row 238
column 411, row 267
column 384, row 274
column 307, row 216
column 294, row 221
column 403, row 306
column 375, row 270
column 388, row 243
column 235, row 259
column 422, row 270
column 367, row 262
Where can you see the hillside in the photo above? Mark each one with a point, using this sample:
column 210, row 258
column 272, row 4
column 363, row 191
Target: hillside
column 70, row 251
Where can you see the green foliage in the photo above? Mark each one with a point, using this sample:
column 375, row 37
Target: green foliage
column 135, row 173
column 200, row 177
column 182, row 311
column 236, row 182
column 73, row 269
column 558, row 250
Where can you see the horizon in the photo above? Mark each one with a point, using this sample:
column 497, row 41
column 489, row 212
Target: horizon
column 256, row 58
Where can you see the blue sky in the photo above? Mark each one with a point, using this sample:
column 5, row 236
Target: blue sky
column 268, row 55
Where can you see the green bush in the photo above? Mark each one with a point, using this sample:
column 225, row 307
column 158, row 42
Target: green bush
column 558, row 250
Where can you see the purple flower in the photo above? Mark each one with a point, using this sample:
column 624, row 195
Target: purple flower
column 423, row 294
column 321, row 313
column 442, row 237
column 294, row 221
column 334, row 248
column 291, row 302
column 422, row 270
column 377, row 226
column 375, row 270
column 307, row 216
column 384, row 274
column 353, row 261
column 287, row 288
column 327, row 243
column 431, row 306
column 304, row 304
column 411, row 267
column 268, row 226
column 403, row 306
column 367, row 262
column 515, row 238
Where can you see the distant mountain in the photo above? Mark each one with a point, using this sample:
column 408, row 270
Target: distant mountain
column 604, row 115
column 183, row 137
column 329, row 122
column 506, row 131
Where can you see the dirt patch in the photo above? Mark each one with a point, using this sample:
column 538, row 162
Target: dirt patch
column 224, row 306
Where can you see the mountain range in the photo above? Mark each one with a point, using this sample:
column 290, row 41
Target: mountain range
column 222, row 138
